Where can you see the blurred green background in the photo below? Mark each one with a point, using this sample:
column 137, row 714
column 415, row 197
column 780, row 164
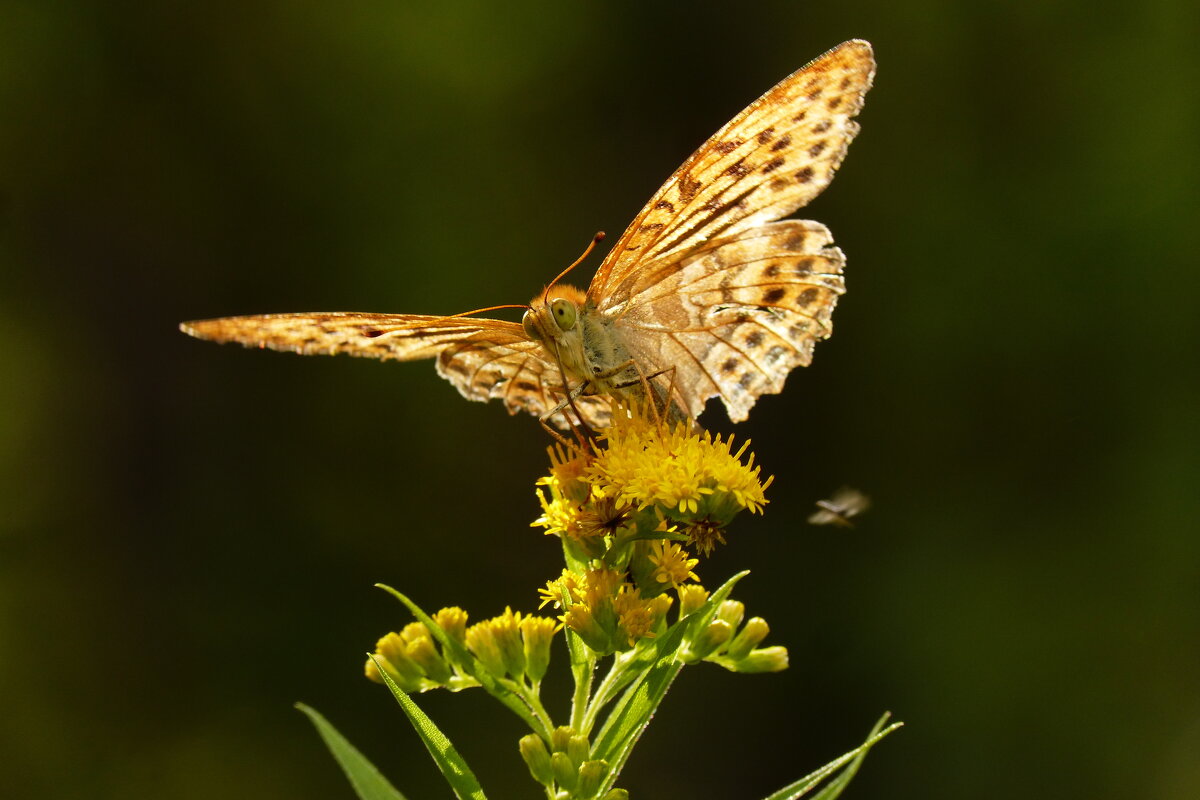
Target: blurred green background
column 189, row 534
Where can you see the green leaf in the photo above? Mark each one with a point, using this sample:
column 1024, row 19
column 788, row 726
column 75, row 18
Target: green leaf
column 368, row 782
column 452, row 765
column 851, row 761
column 631, row 716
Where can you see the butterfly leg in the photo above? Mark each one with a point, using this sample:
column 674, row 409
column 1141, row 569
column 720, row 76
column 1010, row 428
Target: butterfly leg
column 672, row 410
column 578, row 426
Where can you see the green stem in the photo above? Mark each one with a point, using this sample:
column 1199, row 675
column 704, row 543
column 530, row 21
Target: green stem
column 532, row 699
column 606, row 691
column 584, row 673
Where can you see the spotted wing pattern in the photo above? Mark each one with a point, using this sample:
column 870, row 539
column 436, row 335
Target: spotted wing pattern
column 771, row 159
column 734, row 316
column 704, row 281
column 484, row 358
column 704, row 287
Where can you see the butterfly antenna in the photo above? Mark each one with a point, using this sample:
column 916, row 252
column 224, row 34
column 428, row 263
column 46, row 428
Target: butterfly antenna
column 597, row 239
column 482, row 310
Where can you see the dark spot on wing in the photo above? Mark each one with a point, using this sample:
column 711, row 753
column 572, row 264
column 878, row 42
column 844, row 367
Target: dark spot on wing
column 795, row 241
column 805, row 175
column 784, row 141
column 772, row 165
column 737, row 169
column 665, row 205
column 817, row 148
column 774, row 295
column 822, row 126
column 754, row 339
column 729, row 366
column 771, row 270
column 807, row 297
column 766, row 134
column 834, row 102
column 688, row 187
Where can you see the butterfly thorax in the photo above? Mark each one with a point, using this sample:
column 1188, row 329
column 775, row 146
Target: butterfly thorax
column 581, row 339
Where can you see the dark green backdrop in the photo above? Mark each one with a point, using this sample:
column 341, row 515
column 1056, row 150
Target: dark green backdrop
column 189, row 534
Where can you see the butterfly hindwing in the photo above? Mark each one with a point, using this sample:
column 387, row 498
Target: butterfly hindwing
column 733, row 317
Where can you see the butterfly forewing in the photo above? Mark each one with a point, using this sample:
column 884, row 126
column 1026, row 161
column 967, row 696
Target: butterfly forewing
column 483, row 358
column 768, row 161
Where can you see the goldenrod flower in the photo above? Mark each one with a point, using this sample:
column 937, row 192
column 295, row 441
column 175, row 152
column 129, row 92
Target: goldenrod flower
column 635, row 616
column 694, row 478
column 568, row 466
column 671, row 563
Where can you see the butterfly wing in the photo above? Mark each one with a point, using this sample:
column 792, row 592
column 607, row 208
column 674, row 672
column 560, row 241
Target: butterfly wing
column 704, row 282
column 484, row 358
column 734, row 316
column 771, row 159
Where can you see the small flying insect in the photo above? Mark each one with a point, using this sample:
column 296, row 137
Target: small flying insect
column 845, row 504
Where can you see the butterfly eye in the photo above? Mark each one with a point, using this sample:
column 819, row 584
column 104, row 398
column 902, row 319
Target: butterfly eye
column 530, row 329
column 564, row 313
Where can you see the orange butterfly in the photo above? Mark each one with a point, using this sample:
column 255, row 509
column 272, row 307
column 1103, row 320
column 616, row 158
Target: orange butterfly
column 705, row 295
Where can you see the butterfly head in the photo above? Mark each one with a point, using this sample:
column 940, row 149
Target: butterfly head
column 553, row 314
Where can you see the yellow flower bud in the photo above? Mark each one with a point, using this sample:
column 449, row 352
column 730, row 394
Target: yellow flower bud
column 748, row 638
column 538, row 635
column 710, row 638
column 533, row 750
column 566, row 773
column 591, row 775
column 768, row 659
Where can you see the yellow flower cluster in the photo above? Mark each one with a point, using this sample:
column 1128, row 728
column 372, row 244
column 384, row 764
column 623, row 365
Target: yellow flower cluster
column 511, row 644
column 413, row 660
column 690, row 480
column 626, row 508
column 631, row 508
column 608, row 613
column 690, row 475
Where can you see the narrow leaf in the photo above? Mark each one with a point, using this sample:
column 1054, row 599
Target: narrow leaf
column 452, row 765
column 633, row 716
column 834, row 788
column 368, row 782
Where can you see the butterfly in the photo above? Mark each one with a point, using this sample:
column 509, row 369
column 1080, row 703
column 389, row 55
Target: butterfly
column 706, row 294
